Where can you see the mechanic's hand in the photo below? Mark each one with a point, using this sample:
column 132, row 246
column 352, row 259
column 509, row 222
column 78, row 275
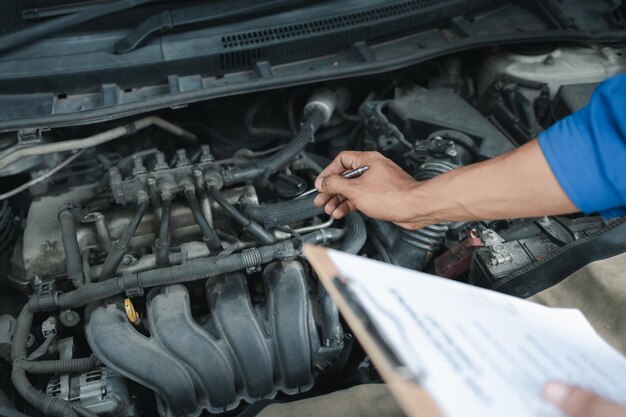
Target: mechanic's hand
column 381, row 192
column 576, row 402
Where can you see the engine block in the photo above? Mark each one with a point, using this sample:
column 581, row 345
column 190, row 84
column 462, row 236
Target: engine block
column 238, row 352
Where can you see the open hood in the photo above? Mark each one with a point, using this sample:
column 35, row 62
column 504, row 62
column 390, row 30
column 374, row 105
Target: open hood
column 184, row 53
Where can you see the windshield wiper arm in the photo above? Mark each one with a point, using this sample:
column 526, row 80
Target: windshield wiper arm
column 206, row 14
column 44, row 29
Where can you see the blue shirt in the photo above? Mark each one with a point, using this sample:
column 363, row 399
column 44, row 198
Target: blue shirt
column 587, row 151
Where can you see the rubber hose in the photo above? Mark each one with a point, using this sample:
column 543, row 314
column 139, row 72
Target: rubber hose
column 253, row 228
column 284, row 212
column 189, row 271
column 119, row 248
column 356, row 234
column 50, row 406
column 70, row 366
column 281, row 158
column 328, row 235
column 208, row 235
column 73, row 264
column 162, row 244
column 8, row 411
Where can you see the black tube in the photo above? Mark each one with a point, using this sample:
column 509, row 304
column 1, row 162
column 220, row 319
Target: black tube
column 7, row 411
column 189, row 271
column 66, row 366
column 73, row 262
column 162, row 244
column 119, row 248
column 284, row 212
column 50, row 406
column 356, row 234
column 267, row 166
column 323, row 236
column 253, row 228
column 208, row 235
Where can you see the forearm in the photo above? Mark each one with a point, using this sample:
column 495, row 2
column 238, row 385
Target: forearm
column 514, row 185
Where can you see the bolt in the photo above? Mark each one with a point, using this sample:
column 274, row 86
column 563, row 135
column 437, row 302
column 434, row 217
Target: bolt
column 199, row 178
column 181, row 155
column 499, row 248
column 160, row 161
column 205, row 152
column 138, row 167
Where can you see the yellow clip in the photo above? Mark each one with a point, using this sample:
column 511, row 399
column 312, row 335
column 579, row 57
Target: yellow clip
column 131, row 313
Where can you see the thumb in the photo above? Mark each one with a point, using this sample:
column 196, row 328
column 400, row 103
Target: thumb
column 333, row 184
column 576, row 402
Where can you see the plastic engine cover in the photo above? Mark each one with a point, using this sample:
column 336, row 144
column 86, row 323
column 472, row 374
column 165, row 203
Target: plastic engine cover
column 242, row 352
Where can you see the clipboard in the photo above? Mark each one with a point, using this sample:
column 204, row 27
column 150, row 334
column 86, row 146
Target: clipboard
column 406, row 389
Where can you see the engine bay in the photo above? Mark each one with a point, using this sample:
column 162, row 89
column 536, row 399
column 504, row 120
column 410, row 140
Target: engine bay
column 163, row 253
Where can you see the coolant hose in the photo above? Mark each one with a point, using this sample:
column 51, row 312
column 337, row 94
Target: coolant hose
column 162, row 244
column 73, row 262
column 208, row 234
column 281, row 158
column 317, row 112
column 253, row 228
column 323, row 236
column 284, row 212
column 119, row 248
column 356, row 234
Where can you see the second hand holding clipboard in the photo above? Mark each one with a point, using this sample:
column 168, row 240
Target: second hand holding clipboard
column 469, row 351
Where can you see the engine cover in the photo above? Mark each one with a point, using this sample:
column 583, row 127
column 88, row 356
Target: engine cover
column 240, row 352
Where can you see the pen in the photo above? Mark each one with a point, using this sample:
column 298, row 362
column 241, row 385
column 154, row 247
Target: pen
column 355, row 173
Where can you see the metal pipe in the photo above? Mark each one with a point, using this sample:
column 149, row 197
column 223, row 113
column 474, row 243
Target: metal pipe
column 94, row 140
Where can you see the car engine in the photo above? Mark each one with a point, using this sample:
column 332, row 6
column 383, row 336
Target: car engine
column 164, row 256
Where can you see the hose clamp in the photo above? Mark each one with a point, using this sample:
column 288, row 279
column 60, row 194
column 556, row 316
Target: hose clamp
column 130, row 284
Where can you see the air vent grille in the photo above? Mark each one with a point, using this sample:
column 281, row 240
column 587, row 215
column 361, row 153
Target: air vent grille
column 317, row 37
column 323, row 25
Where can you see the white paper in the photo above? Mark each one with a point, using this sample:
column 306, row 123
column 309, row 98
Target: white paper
column 481, row 353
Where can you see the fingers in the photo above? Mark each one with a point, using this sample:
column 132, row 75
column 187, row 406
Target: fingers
column 335, row 206
column 346, row 207
column 335, row 184
column 576, row 402
column 321, row 199
column 344, row 161
column 333, row 203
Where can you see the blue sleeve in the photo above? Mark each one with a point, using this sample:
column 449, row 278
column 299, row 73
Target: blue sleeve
column 587, row 151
